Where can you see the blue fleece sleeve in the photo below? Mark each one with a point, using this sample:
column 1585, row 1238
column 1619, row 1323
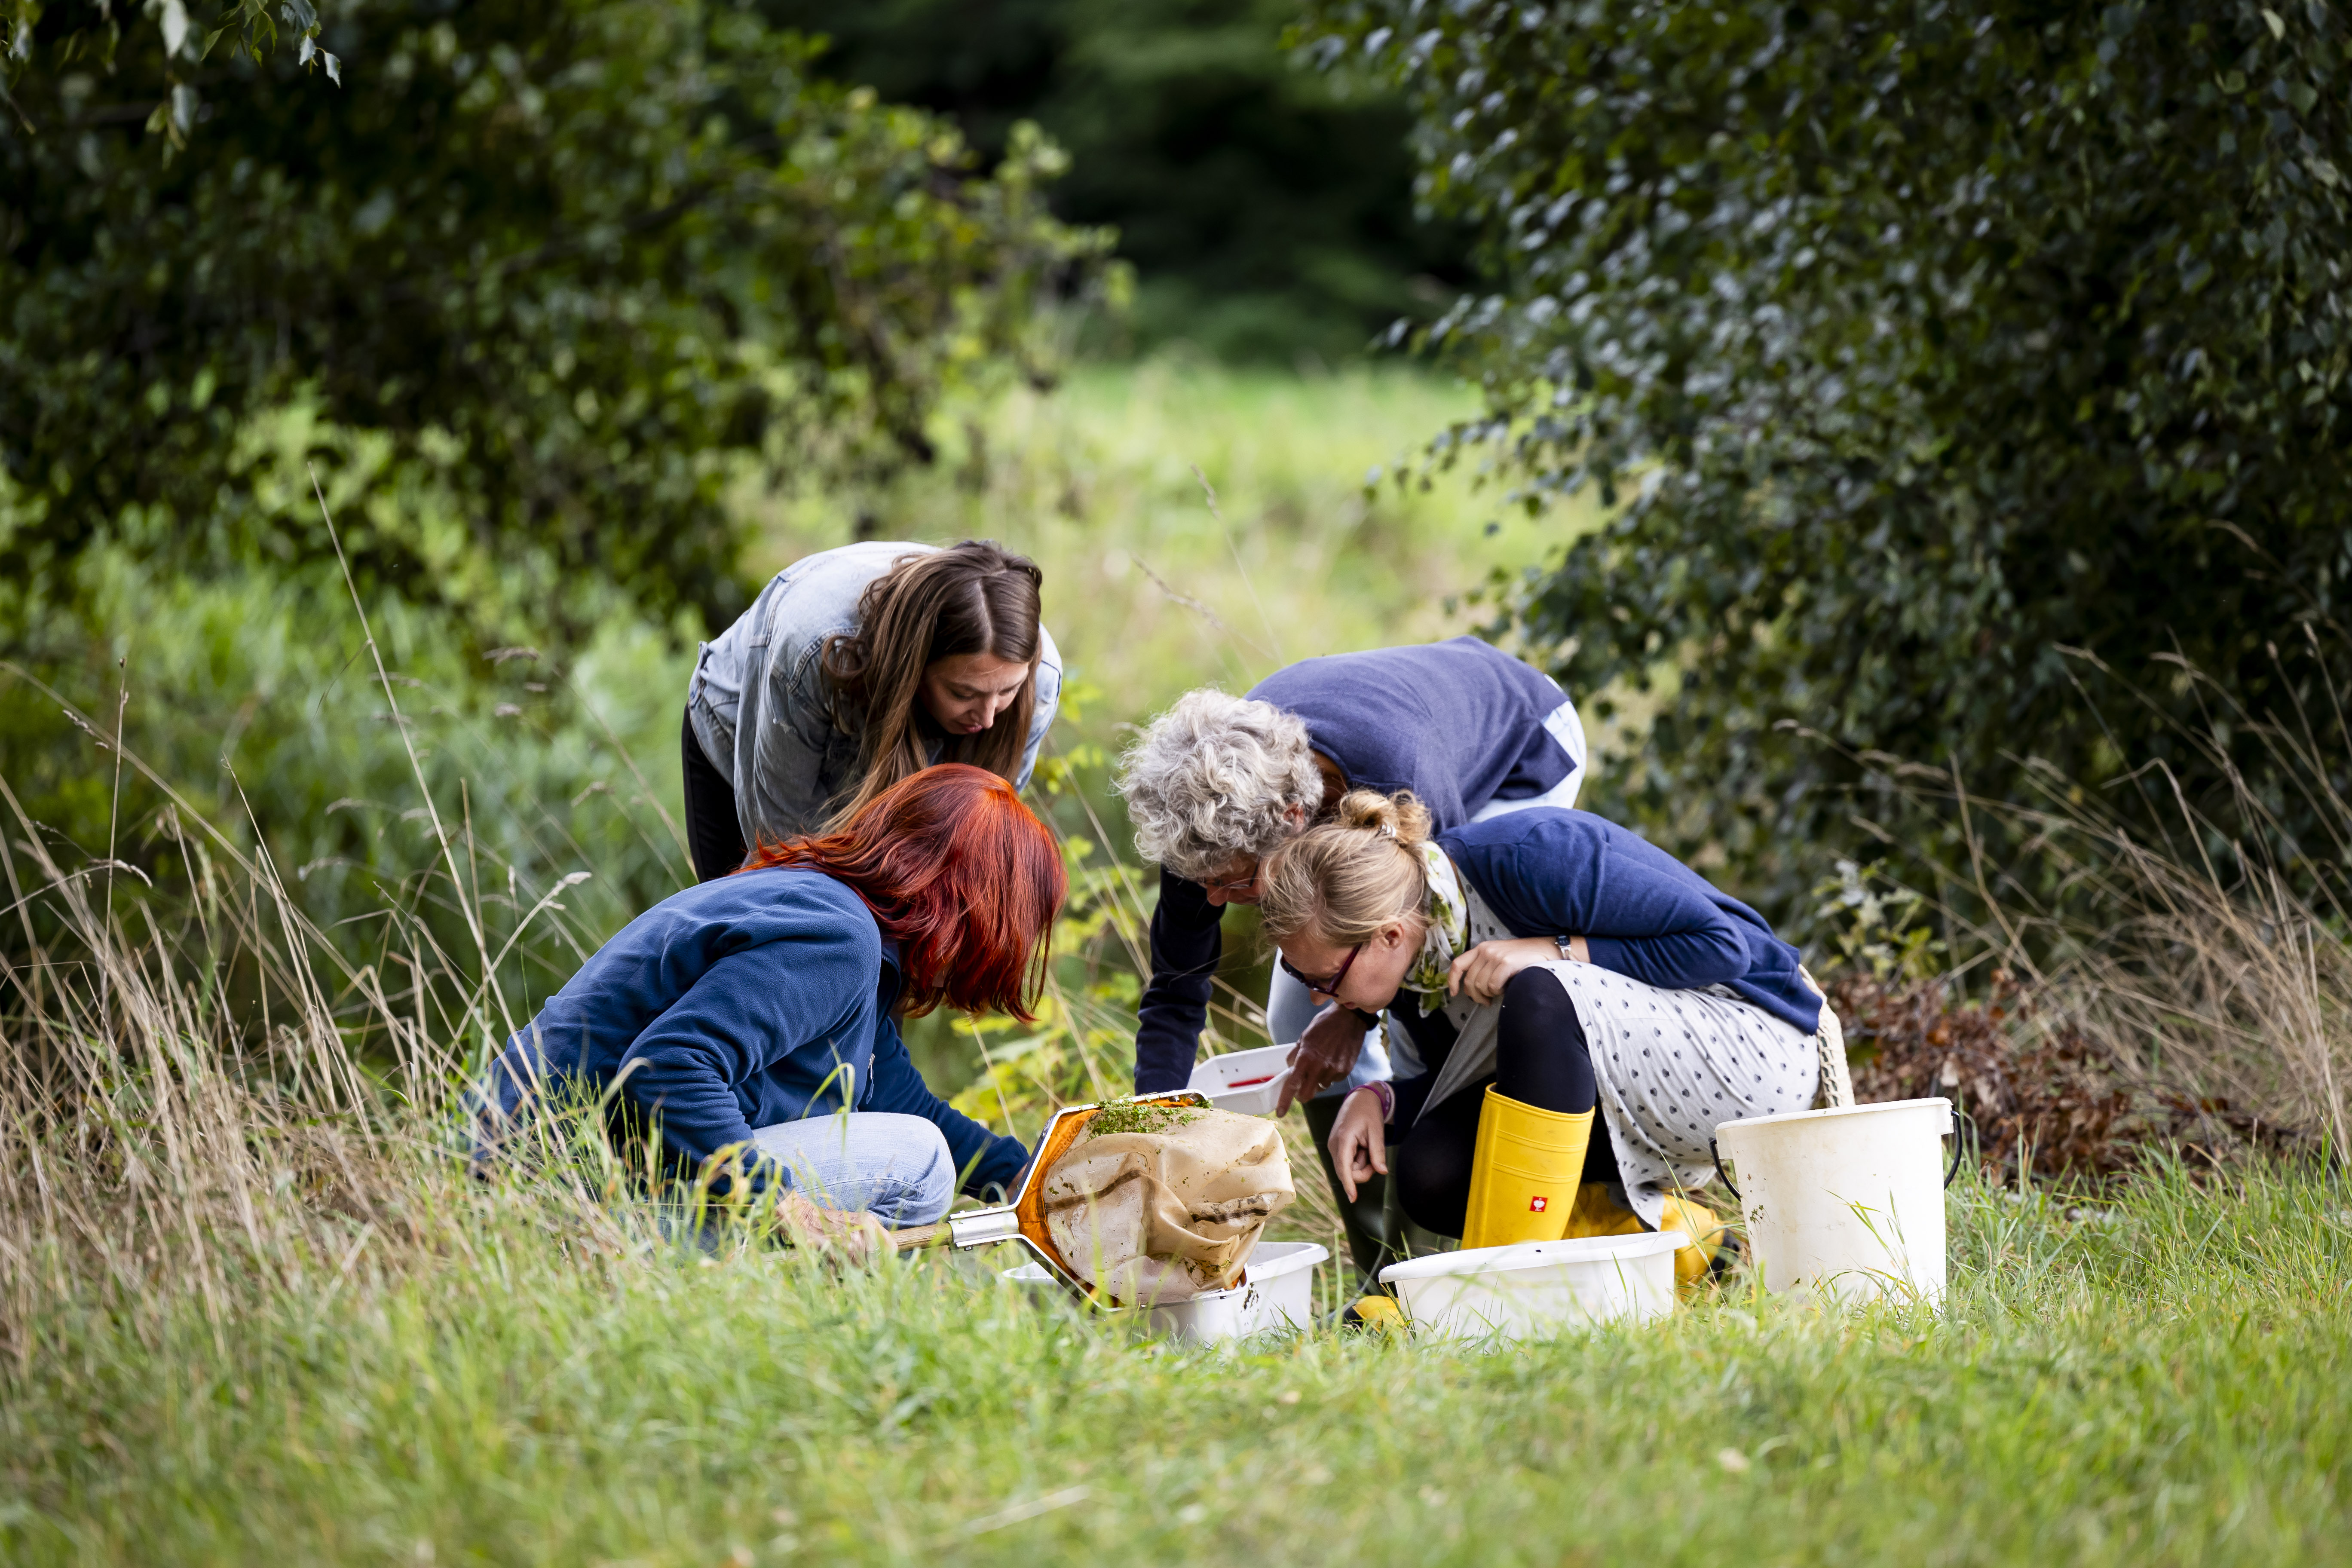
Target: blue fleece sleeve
column 1660, row 929
column 745, row 1011
column 986, row 1158
column 1187, row 940
column 1641, row 913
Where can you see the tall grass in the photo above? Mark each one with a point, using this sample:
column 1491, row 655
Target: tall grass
column 2195, row 944
column 252, row 1304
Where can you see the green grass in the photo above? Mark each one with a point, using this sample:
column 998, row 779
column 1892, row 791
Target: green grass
column 235, row 1327
column 2166, row 1387
column 1096, row 482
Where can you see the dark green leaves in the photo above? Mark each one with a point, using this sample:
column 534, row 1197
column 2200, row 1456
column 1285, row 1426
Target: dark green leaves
column 566, row 267
column 1924, row 340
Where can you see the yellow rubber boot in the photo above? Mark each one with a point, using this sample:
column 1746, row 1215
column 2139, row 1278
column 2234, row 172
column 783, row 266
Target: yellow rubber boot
column 1706, row 1234
column 1523, row 1178
column 1598, row 1213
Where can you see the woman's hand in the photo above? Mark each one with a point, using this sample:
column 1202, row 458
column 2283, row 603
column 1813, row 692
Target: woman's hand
column 843, row 1240
column 1359, row 1140
column 1325, row 1053
column 1483, row 972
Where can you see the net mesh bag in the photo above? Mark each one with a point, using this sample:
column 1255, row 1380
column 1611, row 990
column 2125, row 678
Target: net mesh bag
column 1157, row 1203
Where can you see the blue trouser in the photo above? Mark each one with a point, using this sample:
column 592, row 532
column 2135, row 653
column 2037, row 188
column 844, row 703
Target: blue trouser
column 898, row 1167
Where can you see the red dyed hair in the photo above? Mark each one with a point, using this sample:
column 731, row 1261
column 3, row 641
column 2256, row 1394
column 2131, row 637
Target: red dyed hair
column 960, row 874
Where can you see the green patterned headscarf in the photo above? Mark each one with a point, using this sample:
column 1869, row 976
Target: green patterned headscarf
column 1448, row 932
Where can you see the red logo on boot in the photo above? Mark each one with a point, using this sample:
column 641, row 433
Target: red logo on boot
column 1537, row 1204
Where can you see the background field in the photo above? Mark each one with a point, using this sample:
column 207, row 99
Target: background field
column 389, row 404
column 302, row 1337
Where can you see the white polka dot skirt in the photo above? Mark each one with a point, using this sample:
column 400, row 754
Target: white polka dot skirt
column 1673, row 1065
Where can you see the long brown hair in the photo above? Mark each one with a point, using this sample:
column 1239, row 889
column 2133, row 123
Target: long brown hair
column 972, row 597
column 960, row 874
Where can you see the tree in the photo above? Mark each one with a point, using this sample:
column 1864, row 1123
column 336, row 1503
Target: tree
column 1268, row 210
column 87, row 33
column 1918, row 343
column 568, row 267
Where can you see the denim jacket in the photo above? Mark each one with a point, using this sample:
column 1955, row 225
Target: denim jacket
column 762, row 708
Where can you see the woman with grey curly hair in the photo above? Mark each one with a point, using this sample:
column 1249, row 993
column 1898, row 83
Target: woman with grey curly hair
column 1216, row 783
column 1216, row 777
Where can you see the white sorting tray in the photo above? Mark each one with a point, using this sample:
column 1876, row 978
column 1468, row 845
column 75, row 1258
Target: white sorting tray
column 1248, row 1082
column 1534, row 1290
column 1277, row 1291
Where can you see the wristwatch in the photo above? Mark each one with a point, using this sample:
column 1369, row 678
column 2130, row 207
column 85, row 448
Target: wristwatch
column 1561, row 942
column 1370, row 1021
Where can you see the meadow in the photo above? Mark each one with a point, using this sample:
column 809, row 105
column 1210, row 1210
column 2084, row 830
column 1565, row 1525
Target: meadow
column 252, row 1306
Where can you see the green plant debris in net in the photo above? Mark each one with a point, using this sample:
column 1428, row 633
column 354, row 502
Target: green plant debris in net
column 1140, row 1116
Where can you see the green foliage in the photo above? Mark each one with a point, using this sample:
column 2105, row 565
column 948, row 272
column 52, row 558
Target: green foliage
column 496, row 1376
column 249, row 704
column 1268, row 210
column 1864, row 923
column 563, row 269
column 89, row 33
column 1922, row 342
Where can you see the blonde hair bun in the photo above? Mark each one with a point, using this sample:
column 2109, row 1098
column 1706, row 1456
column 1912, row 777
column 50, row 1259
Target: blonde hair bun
column 1342, row 880
column 1401, row 816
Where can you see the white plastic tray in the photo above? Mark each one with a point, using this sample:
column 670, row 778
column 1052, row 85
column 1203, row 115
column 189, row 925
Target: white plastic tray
column 1538, row 1289
column 1248, row 1082
column 1277, row 1291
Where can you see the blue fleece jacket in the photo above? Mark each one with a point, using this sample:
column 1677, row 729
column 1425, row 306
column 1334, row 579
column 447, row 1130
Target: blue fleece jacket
column 1458, row 723
column 753, row 999
column 1642, row 912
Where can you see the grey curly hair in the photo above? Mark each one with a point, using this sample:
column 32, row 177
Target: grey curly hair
column 1215, row 778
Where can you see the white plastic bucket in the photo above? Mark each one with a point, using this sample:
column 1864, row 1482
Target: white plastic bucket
column 1535, row 1289
column 1277, row 1291
column 1848, row 1201
column 1248, row 1083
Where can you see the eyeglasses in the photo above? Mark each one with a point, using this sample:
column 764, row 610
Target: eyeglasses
column 1328, row 985
column 1241, row 887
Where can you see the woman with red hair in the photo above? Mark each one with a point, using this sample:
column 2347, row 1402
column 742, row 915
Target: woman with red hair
column 750, row 1018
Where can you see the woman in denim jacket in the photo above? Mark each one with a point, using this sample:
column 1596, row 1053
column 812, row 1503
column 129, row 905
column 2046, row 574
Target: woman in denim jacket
column 853, row 668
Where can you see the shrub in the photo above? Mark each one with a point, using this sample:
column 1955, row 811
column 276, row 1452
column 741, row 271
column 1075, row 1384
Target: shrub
column 568, row 269
column 1918, row 343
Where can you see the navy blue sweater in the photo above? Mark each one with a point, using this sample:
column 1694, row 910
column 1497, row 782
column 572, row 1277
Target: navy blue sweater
column 1459, row 723
column 757, row 998
column 1642, row 912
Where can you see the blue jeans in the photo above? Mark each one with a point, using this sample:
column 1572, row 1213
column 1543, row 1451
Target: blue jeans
column 897, row 1166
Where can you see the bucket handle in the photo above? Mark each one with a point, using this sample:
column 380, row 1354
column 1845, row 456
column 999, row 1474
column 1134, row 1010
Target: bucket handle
column 1966, row 1134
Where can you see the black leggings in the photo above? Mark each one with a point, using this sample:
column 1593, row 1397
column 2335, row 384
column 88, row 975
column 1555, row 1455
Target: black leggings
column 1540, row 1059
column 712, row 835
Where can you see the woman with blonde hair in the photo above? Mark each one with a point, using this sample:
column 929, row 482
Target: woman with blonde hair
column 1213, row 785
column 1584, row 1009
column 853, row 669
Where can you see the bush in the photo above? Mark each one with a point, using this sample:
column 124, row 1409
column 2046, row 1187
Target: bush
column 1268, row 212
column 565, row 270
column 1920, row 344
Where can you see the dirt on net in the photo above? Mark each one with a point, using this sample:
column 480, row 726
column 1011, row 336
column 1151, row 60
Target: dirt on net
column 1159, row 1203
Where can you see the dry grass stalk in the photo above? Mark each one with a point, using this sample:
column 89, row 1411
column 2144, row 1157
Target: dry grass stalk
column 2206, row 957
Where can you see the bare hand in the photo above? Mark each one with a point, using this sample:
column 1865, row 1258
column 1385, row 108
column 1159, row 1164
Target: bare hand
column 1325, row 1053
column 1360, row 1141
column 1483, row 972
column 842, row 1238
